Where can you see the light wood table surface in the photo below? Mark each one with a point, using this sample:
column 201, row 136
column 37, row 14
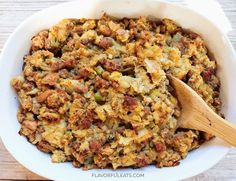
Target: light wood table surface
column 13, row 12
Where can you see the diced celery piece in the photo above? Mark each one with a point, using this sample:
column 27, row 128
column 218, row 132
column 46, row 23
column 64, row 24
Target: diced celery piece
column 99, row 70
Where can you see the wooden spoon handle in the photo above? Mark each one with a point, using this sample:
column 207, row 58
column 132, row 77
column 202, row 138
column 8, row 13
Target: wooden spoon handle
column 223, row 129
column 212, row 123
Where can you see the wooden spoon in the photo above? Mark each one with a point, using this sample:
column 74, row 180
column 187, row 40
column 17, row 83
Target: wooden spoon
column 196, row 114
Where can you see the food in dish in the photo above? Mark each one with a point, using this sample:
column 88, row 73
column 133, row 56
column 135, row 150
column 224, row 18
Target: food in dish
column 95, row 92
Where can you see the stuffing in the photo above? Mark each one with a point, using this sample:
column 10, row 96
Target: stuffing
column 94, row 92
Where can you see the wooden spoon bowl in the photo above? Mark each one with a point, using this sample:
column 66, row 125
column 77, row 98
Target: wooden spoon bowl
column 196, row 114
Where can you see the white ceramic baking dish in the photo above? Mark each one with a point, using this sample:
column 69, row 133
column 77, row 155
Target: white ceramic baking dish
column 18, row 45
